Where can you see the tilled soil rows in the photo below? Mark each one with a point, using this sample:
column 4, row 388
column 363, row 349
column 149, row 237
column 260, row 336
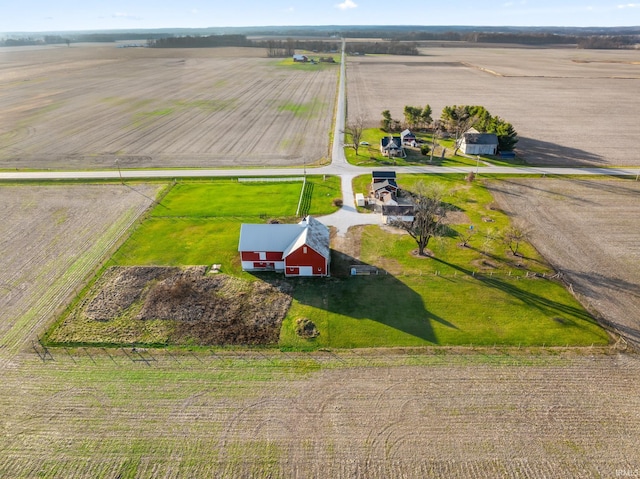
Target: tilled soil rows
column 88, row 106
column 589, row 231
column 51, row 238
column 124, row 413
column 570, row 107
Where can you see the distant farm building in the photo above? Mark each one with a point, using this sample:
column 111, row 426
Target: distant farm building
column 475, row 143
column 300, row 58
column 408, row 138
column 296, row 250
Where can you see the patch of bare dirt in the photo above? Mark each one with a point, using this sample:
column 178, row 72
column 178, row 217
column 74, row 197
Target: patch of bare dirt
column 456, row 218
column 206, row 309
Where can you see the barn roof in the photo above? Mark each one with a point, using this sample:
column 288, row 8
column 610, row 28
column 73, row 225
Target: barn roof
column 285, row 238
column 473, row 137
column 314, row 234
column 267, row 237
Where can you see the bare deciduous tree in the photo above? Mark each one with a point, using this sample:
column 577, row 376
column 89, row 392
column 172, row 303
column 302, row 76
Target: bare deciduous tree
column 429, row 214
column 457, row 120
column 512, row 237
column 354, row 129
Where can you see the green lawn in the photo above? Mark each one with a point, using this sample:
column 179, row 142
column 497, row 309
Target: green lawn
column 233, row 199
column 371, row 156
column 199, row 222
column 387, row 310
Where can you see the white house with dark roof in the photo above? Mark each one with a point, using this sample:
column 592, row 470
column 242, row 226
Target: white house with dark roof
column 392, row 146
column 296, row 250
column 475, row 143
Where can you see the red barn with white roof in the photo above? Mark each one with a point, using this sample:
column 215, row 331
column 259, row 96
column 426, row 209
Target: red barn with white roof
column 296, row 250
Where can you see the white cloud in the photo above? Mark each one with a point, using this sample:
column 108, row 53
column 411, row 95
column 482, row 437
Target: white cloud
column 289, row 10
column 195, row 11
column 347, row 4
column 629, row 5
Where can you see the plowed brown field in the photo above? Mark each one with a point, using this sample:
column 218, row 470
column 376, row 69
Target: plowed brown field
column 86, row 106
column 145, row 414
column 51, row 239
column 570, row 107
column 589, row 230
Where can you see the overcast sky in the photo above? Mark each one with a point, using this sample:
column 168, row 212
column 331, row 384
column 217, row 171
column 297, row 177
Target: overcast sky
column 53, row 15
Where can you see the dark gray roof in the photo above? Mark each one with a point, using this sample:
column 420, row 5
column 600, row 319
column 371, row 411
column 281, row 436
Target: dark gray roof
column 406, row 133
column 480, row 139
column 394, row 142
column 383, row 175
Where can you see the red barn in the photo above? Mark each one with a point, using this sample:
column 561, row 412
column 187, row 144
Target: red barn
column 295, row 250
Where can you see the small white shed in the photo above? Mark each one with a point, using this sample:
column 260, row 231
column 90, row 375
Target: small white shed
column 360, row 199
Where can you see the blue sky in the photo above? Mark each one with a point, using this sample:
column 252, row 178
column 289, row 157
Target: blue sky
column 52, row 15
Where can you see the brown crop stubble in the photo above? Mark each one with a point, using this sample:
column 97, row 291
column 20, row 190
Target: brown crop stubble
column 93, row 413
column 570, row 107
column 51, row 238
column 589, row 230
column 161, row 108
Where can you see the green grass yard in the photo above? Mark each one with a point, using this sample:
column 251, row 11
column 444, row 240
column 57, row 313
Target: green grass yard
column 199, row 222
column 387, row 311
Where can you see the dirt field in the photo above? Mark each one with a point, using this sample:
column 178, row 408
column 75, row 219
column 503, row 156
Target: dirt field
column 187, row 306
column 570, row 107
column 589, row 230
column 86, row 106
column 51, row 238
column 121, row 413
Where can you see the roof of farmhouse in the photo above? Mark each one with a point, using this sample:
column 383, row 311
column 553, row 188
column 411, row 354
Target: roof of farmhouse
column 285, row 237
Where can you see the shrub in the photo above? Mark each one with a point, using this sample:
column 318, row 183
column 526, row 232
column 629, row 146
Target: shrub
column 337, row 202
column 306, row 329
column 424, row 149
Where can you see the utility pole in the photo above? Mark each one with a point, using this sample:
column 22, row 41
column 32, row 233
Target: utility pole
column 119, row 172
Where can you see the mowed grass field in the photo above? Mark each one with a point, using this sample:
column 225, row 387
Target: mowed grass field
column 463, row 296
column 85, row 106
column 566, row 104
column 198, row 223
